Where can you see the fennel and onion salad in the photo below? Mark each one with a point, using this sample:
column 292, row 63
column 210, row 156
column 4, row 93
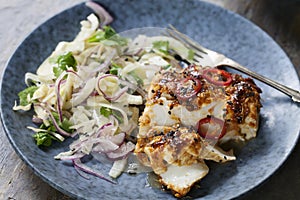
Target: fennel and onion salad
column 91, row 89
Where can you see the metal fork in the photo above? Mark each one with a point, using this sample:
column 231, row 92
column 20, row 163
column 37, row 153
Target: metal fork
column 200, row 53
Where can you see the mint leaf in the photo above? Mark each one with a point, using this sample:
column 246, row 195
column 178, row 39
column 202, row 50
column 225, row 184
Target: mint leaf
column 24, row 94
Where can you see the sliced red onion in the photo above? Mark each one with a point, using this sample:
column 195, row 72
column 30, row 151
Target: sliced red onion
column 122, row 152
column 104, row 16
column 107, row 75
column 134, row 87
column 75, row 146
column 104, row 145
column 117, row 95
column 81, row 173
column 134, row 52
column 53, row 85
column 37, row 120
column 138, row 52
column 114, row 121
column 73, row 72
column 105, row 65
column 79, row 165
column 94, row 93
column 115, row 127
column 58, row 83
column 118, row 139
column 74, row 134
column 102, row 128
column 58, row 129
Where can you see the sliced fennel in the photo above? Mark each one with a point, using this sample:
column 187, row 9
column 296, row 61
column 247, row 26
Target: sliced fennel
column 90, row 89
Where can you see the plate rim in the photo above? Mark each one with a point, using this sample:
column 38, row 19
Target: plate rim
column 61, row 189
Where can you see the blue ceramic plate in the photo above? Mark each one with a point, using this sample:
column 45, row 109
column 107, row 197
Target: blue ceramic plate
column 212, row 26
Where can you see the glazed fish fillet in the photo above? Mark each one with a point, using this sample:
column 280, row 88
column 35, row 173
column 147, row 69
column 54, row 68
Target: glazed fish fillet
column 177, row 154
column 187, row 115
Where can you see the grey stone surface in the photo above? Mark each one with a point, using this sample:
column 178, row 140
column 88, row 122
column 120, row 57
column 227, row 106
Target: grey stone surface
column 212, row 26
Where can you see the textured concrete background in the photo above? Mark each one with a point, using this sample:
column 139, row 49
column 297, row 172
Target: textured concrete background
column 280, row 19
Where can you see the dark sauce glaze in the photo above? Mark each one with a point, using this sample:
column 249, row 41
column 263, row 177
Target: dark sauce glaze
column 238, row 95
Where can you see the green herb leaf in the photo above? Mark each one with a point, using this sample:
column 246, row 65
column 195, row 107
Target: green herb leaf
column 108, row 36
column 109, row 32
column 43, row 139
column 56, row 116
column 115, row 40
column 110, row 43
column 24, row 94
column 162, row 46
column 97, row 37
column 63, row 62
column 114, row 69
column 66, row 60
column 65, row 124
column 57, row 71
column 51, row 127
column 191, row 54
column 106, row 112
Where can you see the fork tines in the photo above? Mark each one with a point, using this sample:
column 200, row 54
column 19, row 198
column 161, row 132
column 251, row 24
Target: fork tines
column 173, row 32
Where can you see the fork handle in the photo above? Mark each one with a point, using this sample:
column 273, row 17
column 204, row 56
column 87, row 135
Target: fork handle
column 294, row 94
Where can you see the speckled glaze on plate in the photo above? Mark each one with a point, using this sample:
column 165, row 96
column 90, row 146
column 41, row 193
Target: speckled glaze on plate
column 212, row 26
